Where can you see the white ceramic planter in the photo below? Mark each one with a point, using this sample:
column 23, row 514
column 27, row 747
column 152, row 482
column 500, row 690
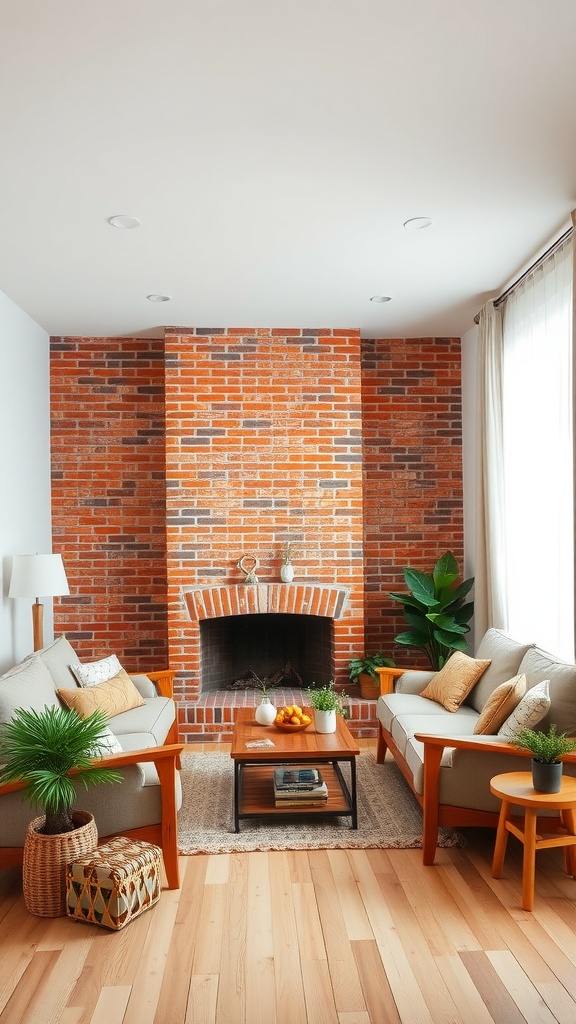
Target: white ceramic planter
column 265, row 712
column 287, row 572
column 325, row 721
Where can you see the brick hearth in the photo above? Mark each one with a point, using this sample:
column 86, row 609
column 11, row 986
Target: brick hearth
column 210, row 718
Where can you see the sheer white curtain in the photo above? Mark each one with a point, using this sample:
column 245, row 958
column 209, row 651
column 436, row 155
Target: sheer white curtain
column 490, row 605
column 538, row 459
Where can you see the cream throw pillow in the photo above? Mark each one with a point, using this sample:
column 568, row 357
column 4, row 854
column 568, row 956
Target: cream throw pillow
column 500, row 704
column 533, row 707
column 95, row 672
column 112, row 697
column 452, row 684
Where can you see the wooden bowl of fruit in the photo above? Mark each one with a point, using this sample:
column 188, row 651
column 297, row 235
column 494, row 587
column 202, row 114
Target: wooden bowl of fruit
column 292, row 719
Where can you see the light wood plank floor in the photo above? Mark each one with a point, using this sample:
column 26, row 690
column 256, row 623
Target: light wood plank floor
column 319, row 937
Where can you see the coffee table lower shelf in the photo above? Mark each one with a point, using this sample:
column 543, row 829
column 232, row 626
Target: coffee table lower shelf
column 254, row 793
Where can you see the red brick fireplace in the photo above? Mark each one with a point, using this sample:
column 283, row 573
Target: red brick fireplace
column 172, row 458
column 264, row 443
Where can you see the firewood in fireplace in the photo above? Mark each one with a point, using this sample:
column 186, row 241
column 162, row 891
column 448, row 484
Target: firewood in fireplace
column 286, row 676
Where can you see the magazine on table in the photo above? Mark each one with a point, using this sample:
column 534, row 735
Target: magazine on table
column 299, row 784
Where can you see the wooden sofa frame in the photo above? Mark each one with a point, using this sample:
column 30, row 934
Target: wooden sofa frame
column 166, row 760
column 435, row 814
column 164, row 835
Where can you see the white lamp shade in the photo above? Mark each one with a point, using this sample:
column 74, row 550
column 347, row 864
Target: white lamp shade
column 38, row 576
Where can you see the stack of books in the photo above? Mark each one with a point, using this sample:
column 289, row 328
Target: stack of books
column 299, row 787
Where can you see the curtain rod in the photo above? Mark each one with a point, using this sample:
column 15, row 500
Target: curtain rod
column 537, row 263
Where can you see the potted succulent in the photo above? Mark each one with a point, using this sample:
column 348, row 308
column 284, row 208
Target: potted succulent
column 363, row 671
column 546, row 748
column 435, row 611
column 43, row 750
column 327, row 703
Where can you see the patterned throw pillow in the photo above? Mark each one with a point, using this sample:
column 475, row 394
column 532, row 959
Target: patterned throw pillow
column 112, row 697
column 499, row 705
column 534, row 705
column 96, row 671
column 452, row 684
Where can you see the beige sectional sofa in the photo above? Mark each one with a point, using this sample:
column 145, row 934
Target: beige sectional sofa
column 448, row 767
column 145, row 737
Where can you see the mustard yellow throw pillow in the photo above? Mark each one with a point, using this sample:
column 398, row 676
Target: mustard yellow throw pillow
column 500, row 705
column 452, row 684
column 112, row 697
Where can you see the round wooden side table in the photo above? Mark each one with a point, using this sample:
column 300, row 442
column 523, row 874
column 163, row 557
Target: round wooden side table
column 515, row 788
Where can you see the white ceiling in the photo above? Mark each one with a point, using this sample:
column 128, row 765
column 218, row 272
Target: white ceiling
column 272, row 151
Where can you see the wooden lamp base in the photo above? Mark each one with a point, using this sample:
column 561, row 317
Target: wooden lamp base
column 38, row 625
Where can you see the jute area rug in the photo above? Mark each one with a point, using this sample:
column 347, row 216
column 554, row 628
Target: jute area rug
column 389, row 816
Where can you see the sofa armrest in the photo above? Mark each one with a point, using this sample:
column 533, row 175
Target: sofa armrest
column 165, row 760
column 403, row 680
column 164, row 681
column 434, row 747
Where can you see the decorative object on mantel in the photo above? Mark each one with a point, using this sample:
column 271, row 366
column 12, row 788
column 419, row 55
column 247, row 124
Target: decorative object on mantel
column 287, row 569
column 249, row 574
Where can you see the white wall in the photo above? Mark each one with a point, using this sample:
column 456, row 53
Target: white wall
column 25, row 519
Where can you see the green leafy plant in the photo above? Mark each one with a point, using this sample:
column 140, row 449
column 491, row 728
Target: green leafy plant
column 325, row 698
column 368, row 665
column 43, row 749
column 435, row 611
column 547, row 747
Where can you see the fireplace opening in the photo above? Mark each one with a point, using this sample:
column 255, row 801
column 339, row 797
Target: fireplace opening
column 233, row 645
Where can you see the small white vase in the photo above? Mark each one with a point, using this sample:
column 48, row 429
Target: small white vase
column 324, row 721
column 287, row 572
column 265, row 712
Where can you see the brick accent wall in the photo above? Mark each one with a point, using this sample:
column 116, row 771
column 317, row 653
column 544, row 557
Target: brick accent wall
column 413, row 501
column 171, row 458
column 108, row 496
column 264, row 440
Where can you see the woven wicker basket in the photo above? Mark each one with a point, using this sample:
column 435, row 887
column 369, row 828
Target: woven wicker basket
column 45, row 861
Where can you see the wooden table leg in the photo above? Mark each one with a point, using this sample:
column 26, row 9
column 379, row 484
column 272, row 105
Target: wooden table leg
column 569, row 822
column 501, row 840
column 529, row 866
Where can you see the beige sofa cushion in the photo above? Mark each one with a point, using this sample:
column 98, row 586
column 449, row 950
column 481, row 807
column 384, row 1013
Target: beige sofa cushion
column 505, row 657
column 454, row 681
column 57, row 658
column 500, row 705
column 538, row 665
column 113, row 697
column 31, row 686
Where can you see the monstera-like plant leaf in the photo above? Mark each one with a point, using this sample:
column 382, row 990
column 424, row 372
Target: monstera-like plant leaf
column 435, row 610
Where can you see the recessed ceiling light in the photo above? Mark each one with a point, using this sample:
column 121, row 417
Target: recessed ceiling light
column 381, row 298
column 124, row 220
column 417, row 223
column 155, row 297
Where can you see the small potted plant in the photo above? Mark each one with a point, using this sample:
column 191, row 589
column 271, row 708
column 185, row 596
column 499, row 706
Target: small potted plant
column 44, row 750
column 327, row 703
column 363, row 671
column 546, row 748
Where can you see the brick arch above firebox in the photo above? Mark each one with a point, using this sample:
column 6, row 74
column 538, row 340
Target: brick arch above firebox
column 209, row 602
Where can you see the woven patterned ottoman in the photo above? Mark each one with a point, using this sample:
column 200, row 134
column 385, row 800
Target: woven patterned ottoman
column 113, row 884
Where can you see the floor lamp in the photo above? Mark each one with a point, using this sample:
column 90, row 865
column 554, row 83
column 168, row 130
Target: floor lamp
column 38, row 576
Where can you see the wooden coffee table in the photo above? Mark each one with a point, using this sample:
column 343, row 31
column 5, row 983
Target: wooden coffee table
column 253, row 768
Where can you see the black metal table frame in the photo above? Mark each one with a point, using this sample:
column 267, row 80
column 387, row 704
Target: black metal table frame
column 349, row 792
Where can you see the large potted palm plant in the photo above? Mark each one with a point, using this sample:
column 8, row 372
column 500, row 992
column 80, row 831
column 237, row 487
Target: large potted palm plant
column 435, row 611
column 44, row 751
